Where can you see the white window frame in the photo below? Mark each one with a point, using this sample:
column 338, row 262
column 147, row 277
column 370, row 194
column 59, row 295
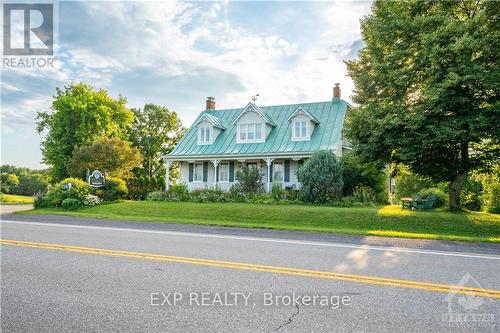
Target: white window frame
column 246, row 131
column 202, row 135
column 303, row 127
column 282, row 164
column 195, row 180
column 227, row 172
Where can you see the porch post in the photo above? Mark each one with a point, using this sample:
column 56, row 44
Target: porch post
column 268, row 162
column 215, row 163
column 167, row 174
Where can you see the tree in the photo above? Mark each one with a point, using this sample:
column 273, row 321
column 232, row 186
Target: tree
column 355, row 172
column 79, row 117
column 113, row 156
column 156, row 131
column 30, row 181
column 427, row 84
column 8, row 181
column 321, row 178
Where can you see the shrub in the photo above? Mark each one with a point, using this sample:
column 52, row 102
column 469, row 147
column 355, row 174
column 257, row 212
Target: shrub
column 157, row 196
column 470, row 196
column 355, row 172
column 292, row 195
column 139, row 188
column 180, row 192
column 91, row 200
column 321, row 178
column 491, row 190
column 277, row 192
column 441, row 198
column 248, row 181
column 71, row 203
column 79, row 189
column 492, row 198
column 210, row 195
column 363, row 194
column 55, row 196
column 236, row 194
column 113, row 189
column 408, row 183
column 42, row 201
column 177, row 192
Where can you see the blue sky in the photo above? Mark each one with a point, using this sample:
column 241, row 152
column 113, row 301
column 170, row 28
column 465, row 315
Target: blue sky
column 177, row 53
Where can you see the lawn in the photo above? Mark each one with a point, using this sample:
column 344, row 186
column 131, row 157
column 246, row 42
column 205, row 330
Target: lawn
column 389, row 221
column 15, row 199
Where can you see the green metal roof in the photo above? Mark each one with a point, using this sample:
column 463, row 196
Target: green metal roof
column 326, row 135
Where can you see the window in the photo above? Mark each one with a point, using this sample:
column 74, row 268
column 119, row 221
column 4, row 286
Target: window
column 224, row 172
column 251, row 132
column 300, row 130
column 198, row 172
column 204, row 135
column 279, row 173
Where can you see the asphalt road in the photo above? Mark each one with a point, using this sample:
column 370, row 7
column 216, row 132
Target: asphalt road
column 88, row 288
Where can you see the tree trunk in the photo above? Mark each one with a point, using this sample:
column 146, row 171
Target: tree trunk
column 455, row 187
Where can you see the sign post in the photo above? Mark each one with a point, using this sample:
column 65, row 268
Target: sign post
column 96, row 179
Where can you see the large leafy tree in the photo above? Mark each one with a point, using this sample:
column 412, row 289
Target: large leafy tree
column 112, row 156
column 8, row 181
column 80, row 116
column 427, row 84
column 156, row 131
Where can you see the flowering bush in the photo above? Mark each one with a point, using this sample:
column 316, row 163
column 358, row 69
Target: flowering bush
column 363, row 194
column 91, row 200
column 71, row 203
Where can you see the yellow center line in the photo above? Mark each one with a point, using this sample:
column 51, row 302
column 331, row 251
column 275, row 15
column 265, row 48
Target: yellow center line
column 444, row 288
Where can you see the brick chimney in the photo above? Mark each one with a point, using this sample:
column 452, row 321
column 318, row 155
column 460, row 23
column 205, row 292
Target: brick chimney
column 336, row 92
column 210, row 103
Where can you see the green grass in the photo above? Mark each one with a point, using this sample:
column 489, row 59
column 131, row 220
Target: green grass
column 15, row 199
column 389, row 221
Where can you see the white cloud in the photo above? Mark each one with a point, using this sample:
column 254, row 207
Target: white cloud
column 177, row 53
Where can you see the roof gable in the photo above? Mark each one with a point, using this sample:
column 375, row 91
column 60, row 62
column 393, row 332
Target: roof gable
column 251, row 107
column 216, row 122
column 300, row 111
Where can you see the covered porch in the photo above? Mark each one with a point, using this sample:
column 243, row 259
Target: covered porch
column 222, row 173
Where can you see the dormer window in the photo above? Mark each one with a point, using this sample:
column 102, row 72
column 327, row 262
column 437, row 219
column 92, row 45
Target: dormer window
column 250, row 132
column 302, row 124
column 300, row 130
column 204, row 135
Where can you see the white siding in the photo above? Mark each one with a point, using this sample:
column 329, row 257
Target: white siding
column 261, row 165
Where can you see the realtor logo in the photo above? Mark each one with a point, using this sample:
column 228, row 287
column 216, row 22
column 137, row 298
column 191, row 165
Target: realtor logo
column 28, row 29
column 465, row 310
